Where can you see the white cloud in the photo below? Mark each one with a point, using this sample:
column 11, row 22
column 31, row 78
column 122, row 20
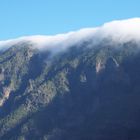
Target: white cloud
column 122, row 30
column 119, row 31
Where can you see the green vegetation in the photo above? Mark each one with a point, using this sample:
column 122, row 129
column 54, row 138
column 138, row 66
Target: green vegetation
column 63, row 97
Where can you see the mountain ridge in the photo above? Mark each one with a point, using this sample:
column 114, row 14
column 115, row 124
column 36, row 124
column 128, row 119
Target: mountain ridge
column 84, row 91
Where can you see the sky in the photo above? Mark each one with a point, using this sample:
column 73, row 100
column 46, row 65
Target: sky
column 49, row 17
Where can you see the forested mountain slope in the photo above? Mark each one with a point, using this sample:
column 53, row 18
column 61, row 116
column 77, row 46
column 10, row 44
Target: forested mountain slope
column 88, row 91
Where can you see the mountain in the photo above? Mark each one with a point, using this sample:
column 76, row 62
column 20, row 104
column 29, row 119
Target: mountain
column 81, row 85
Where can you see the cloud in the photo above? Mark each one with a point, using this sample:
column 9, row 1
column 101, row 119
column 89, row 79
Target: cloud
column 117, row 31
column 122, row 30
column 60, row 41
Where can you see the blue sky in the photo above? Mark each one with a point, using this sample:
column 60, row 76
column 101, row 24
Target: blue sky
column 49, row 17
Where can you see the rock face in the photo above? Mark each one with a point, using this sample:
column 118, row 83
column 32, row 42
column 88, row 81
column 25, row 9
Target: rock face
column 6, row 94
column 99, row 66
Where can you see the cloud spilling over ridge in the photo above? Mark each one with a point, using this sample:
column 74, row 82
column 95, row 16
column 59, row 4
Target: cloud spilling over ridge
column 122, row 30
column 117, row 31
column 61, row 41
